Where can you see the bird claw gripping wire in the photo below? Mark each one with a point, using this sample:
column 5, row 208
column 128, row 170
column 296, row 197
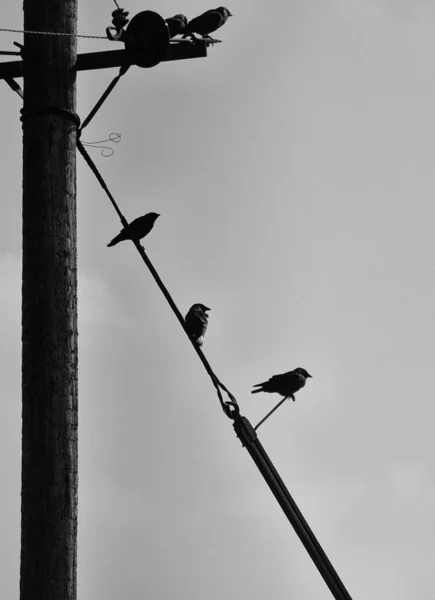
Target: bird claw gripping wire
column 119, row 20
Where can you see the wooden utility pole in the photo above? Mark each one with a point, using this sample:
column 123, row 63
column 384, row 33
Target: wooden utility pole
column 49, row 305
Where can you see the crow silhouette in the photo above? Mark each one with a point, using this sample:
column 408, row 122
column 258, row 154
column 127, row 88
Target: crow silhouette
column 286, row 384
column 137, row 229
column 176, row 24
column 196, row 322
column 207, row 22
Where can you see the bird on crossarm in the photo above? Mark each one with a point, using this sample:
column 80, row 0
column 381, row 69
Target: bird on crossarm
column 206, row 23
column 176, row 25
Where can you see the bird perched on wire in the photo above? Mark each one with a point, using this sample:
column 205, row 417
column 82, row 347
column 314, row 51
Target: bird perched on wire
column 207, row 22
column 196, row 323
column 137, row 229
column 286, row 384
column 176, row 24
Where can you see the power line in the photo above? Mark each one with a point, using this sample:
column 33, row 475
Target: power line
column 59, row 33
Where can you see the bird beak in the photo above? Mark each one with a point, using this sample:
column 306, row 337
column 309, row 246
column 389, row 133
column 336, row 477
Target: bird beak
column 308, row 375
column 230, row 15
column 205, row 308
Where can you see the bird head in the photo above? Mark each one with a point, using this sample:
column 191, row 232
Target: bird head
column 200, row 307
column 303, row 372
column 153, row 216
column 224, row 12
column 181, row 18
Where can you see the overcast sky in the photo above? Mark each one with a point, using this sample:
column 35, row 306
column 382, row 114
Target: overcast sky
column 294, row 172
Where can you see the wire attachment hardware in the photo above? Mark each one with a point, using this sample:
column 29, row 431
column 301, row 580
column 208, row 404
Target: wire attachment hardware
column 46, row 109
column 231, row 409
column 119, row 20
column 146, row 38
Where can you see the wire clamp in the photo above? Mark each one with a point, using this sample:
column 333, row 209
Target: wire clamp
column 36, row 111
column 119, row 20
column 231, row 409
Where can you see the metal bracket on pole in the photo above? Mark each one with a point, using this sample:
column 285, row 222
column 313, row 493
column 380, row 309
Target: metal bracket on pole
column 9, row 80
column 14, row 86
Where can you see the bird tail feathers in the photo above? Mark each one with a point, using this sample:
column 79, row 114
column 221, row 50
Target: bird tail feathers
column 115, row 241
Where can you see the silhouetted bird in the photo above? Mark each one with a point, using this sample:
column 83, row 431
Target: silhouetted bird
column 137, row 229
column 207, row 22
column 196, row 322
column 176, row 25
column 286, row 384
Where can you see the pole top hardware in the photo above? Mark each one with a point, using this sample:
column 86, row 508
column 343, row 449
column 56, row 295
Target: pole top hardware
column 146, row 37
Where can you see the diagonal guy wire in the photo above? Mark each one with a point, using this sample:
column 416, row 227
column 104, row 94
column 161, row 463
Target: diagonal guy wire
column 122, row 71
column 228, row 408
